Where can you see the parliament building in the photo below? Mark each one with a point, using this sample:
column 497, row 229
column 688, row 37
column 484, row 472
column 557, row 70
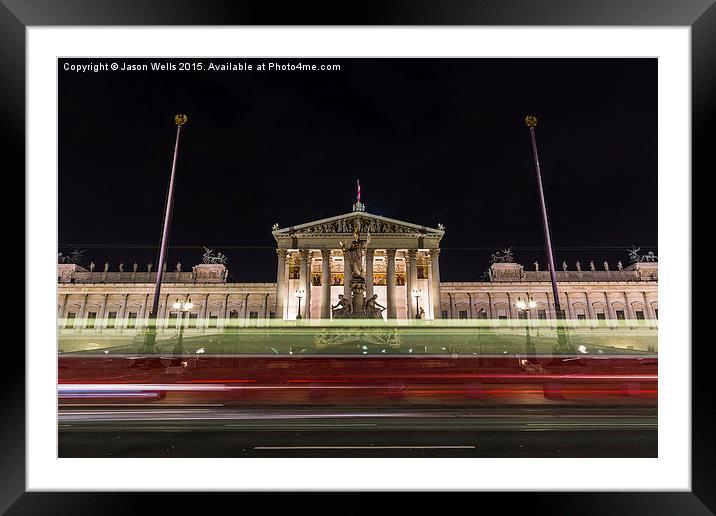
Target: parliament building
column 402, row 267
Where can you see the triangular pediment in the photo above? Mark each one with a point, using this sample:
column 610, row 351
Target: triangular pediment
column 345, row 225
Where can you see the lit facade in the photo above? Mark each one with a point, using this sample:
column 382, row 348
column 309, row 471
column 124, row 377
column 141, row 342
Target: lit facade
column 401, row 259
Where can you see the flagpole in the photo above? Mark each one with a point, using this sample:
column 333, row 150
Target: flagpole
column 531, row 122
column 180, row 120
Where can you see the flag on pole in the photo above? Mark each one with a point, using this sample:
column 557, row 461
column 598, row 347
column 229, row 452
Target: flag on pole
column 358, row 181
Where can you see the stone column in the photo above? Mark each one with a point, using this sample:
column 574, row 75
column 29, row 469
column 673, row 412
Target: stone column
column 225, row 312
column 452, row 305
column 629, row 308
column 347, row 274
column 205, row 312
column 470, row 312
column 123, row 310
column 551, row 311
column 590, row 307
column 63, row 305
column 281, row 283
column 163, row 319
column 304, row 281
column 648, row 310
column 102, row 311
column 490, row 308
column 609, row 312
column 81, row 311
column 246, row 307
column 262, row 310
column 570, row 310
column 369, row 255
column 326, row 284
column 411, row 272
column 390, row 279
column 435, row 281
column 144, row 312
column 511, row 307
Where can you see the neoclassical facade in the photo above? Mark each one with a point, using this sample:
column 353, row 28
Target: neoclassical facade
column 401, row 259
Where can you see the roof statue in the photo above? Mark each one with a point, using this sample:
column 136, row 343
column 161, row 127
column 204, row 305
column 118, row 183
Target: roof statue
column 210, row 257
column 504, row 256
column 635, row 257
column 74, row 257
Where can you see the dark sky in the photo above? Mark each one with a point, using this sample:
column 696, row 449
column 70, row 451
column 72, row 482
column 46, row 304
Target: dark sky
column 431, row 140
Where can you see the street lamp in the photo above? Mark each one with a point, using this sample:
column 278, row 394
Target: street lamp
column 181, row 307
column 525, row 305
column 299, row 294
column 417, row 293
column 180, row 121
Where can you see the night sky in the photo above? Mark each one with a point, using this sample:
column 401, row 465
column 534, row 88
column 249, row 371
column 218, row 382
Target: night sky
column 431, row 140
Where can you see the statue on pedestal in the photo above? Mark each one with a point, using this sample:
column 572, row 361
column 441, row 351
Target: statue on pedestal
column 354, row 255
column 373, row 309
column 342, row 309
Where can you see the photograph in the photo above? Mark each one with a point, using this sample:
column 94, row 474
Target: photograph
column 357, row 257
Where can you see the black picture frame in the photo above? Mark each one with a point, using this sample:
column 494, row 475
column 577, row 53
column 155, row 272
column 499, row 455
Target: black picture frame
column 700, row 15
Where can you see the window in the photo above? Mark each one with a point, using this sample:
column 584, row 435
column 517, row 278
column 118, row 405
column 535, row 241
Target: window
column 521, row 314
column 132, row 320
column 581, row 317
column 253, row 315
column 91, row 318
column 70, row 319
column 111, row 320
column 444, row 314
column 193, row 319
column 620, row 315
column 172, row 320
column 213, row 321
column 482, row 314
column 639, row 314
column 602, row 318
column 541, row 314
column 272, row 315
column 463, row 314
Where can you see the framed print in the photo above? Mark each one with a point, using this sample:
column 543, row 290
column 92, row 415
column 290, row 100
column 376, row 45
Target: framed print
column 416, row 250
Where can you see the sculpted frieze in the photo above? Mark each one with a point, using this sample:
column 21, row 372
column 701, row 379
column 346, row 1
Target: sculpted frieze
column 348, row 226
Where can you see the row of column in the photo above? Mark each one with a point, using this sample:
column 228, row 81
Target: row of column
column 590, row 301
column 305, row 281
column 143, row 314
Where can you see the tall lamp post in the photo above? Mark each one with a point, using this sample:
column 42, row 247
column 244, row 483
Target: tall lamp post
column 417, row 293
column 181, row 307
column 299, row 294
column 180, row 121
column 562, row 341
column 525, row 306
column 531, row 122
